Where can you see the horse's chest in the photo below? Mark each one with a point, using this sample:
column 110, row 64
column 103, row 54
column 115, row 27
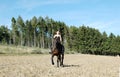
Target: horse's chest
column 55, row 52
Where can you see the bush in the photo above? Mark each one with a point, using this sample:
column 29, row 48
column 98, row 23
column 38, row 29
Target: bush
column 36, row 52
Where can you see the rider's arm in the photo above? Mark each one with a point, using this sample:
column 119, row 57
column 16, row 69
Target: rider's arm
column 54, row 36
column 60, row 38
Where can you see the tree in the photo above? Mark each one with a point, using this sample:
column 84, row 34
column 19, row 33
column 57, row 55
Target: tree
column 72, row 41
column 34, row 25
column 111, row 41
column 117, row 45
column 21, row 29
column 15, row 32
column 28, row 32
column 105, row 43
column 49, row 31
column 4, row 35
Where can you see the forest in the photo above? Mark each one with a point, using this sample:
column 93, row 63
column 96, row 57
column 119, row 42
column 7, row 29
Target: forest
column 38, row 32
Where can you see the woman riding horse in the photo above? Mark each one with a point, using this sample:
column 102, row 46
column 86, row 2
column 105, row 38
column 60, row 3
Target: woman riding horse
column 57, row 49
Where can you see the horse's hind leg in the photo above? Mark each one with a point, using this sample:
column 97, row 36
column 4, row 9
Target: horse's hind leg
column 52, row 60
column 57, row 62
column 62, row 54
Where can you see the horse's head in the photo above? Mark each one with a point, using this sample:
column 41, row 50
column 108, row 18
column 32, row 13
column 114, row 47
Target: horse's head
column 57, row 39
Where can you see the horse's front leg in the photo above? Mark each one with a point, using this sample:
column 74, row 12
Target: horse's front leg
column 62, row 59
column 52, row 60
column 58, row 60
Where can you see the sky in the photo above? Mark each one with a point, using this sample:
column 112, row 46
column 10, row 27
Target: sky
column 103, row 15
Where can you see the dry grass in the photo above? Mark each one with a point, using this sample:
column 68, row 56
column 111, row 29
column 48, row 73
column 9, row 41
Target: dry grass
column 76, row 65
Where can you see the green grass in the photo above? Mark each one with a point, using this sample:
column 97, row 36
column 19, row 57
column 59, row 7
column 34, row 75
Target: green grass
column 21, row 50
column 24, row 50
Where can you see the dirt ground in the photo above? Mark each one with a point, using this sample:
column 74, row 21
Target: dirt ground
column 75, row 65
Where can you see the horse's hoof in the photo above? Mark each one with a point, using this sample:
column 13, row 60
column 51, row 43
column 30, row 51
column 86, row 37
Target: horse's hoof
column 62, row 65
column 52, row 63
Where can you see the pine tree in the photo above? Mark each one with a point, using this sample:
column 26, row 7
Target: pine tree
column 21, row 29
column 34, row 25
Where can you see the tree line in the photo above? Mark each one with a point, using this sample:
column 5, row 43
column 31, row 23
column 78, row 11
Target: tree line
column 38, row 32
column 91, row 41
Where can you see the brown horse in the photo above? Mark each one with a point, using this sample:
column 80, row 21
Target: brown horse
column 57, row 50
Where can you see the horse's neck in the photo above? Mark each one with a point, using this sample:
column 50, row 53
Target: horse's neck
column 56, row 42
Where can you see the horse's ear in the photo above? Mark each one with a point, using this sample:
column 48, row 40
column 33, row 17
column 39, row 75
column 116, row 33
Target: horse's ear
column 61, row 29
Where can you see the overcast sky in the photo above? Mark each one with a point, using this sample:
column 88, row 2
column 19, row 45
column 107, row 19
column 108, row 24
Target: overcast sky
column 100, row 14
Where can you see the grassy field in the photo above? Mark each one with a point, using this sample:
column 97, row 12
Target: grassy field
column 75, row 65
column 17, row 61
column 21, row 50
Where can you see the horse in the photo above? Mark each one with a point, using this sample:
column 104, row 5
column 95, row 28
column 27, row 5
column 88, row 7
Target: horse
column 57, row 50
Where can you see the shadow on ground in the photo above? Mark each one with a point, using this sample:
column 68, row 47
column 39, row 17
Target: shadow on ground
column 70, row 65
